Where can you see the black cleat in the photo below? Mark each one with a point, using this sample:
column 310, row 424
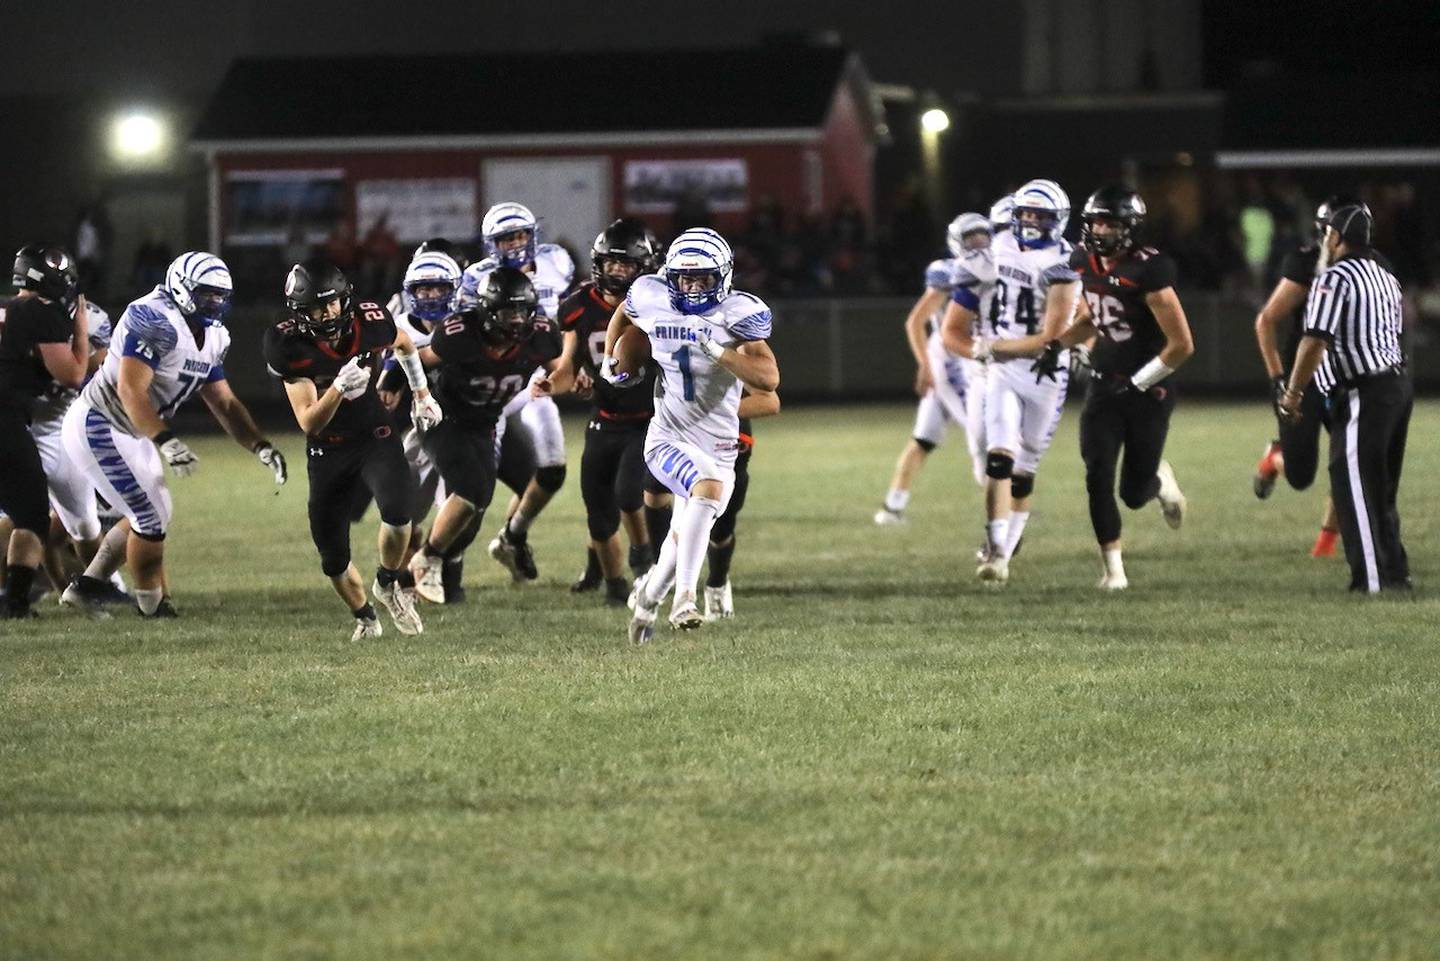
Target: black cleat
column 587, row 582
column 165, row 609
column 514, row 554
column 617, row 592
column 451, row 575
column 10, row 612
column 89, row 594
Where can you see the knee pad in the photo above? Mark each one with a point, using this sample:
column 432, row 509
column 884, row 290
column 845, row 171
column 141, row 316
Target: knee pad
column 926, row 445
column 602, row 524
column 334, row 562
column 550, row 479
column 1021, row 485
column 999, row 466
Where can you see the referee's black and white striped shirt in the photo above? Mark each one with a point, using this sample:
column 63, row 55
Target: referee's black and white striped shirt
column 1355, row 305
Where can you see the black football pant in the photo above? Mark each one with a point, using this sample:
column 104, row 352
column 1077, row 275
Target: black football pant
column 1300, row 442
column 1136, row 423
column 465, row 456
column 339, row 475
column 612, row 475
column 24, row 496
column 1369, row 424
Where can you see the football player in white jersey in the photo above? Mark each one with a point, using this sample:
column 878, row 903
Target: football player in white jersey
column 511, row 236
column 941, row 381
column 166, row 347
column 1031, row 301
column 708, row 341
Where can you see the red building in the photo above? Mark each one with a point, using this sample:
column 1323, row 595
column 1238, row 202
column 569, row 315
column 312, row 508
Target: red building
column 297, row 147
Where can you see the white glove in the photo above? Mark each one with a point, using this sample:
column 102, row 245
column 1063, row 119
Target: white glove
column 614, row 377
column 982, row 350
column 352, row 380
column 425, row 412
column 182, row 459
column 274, row 460
column 710, row 345
column 1079, row 359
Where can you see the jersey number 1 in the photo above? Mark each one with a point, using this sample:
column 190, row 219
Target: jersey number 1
column 682, row 358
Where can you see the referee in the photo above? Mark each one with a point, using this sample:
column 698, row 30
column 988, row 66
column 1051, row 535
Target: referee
column 1351, row 346
column 40, row 345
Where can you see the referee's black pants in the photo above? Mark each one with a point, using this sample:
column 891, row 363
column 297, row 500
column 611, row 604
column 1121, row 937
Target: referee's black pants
column 1369, row 423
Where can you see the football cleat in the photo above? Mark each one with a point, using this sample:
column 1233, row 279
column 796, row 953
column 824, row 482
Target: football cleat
column 366, row 628
column 9, row 612
column 719, row 602
column 452, row 578
column 1324, row 543
column 165, row 609
column 617, row 592
column 995, row 570
column 684, row 615
column 885, row 517
column 401, row 606
column 642, row 623
column 587, row 581
column 515, row 556
column 89, row 594
column 634, row 597
column 429, row 573
column 1113, row 581
column 1172, row 501
column 1267, row 471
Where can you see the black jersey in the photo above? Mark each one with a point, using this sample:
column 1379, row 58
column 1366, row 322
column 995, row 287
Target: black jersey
column 293, row 355
column 1299, row 267
column 1130, row 337
column 25, row 324
column 586, row 314
column 474, row 381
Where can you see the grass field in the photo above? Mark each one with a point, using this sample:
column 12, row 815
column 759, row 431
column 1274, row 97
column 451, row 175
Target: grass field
column 877, row 759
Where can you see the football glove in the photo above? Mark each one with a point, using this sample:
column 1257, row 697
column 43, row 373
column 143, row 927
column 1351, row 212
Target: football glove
column 1080, row 360
column 182, row 459
column 712, row 347
column 425, row 412
column 1278, row 386
column 1125, row 387
column 1047, row 365
column 617, row 378
column 271, row 457
column 982, row 351
column 352, row 379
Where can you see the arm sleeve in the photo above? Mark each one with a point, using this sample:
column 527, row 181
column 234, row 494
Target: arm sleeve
column 1058, row 274
column 217, row 373
column 1299, row 266
column 1329, row 294
column 1160, row 272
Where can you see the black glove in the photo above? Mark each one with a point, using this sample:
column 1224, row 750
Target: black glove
column 1125, row 387
column 1048, row 363
column 1277, row 394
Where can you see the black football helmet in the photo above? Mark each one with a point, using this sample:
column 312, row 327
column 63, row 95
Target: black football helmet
column 628, row 240
column 1116, row 203
column 49, row 270
column 442, row 246
column 309, row 287
column 508, row 302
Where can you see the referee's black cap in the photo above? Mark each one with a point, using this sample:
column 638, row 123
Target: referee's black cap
column 1353, row 222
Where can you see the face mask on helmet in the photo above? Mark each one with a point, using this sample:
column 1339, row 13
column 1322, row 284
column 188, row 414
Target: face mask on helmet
column 698, row 270
column 693, row 291
column 1105, row 235
column 1035, row 226
column 614, row 273
column 199, row 284
column 430, row 300
column 211, row 303
column 326, row 320
column 508, row 326
column 515, row 248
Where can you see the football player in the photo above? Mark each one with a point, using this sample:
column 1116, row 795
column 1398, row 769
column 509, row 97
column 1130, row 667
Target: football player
column 1295, row 452
column 482, row 358
column 1130, row 303
column 612, row 468
column 168, row 346
column 325, row 350
column 941, row 381
column 42, row 346
column 511, row 235
column 708, row 340
column 1031, row 293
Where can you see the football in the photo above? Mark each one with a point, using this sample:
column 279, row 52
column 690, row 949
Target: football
column 632, row 351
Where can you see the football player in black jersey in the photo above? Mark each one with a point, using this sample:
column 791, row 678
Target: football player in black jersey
column 1296, row 450
column 482, row 357
column 1130, row 302
column 612, row 469
column 40, row 346
column 326, row 350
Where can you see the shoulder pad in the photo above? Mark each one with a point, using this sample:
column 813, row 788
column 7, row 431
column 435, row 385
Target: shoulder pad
column 974, row 267
column 939, row 272
column 152, row 324
column 559, row 259
column 746, row 316
column 648, row 295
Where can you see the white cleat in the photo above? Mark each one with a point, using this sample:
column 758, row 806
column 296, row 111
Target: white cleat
column 885, row 517
column 635, row 590
column 642, row 623
column 429, row 575
column 719, row 602
column 366, row 629
column 401, row 606
column 995, row 570
column 1113, row 582
column 684, row 615
column 1172, row 500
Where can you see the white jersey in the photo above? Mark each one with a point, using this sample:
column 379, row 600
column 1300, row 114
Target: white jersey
column 554, row 272
column 695, row 398
column 154, row 332
column 419, row 332
column 50, row 407
column 939, row 276
column 1022, row 278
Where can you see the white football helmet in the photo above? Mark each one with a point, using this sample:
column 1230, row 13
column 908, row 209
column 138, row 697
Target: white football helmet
column 964, row 225
column 1050, row 203
column 430, row 269
column 1001, row 212
column 698, row 252
column 509, row 218
column 199, row 284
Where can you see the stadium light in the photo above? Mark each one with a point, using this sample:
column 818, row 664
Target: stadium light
column 935, row 120
column 137, row 136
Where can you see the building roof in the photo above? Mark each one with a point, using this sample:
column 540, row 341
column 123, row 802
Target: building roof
column 779, row 87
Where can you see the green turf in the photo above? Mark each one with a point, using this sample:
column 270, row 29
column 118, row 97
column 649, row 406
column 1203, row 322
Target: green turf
column 877, row 759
